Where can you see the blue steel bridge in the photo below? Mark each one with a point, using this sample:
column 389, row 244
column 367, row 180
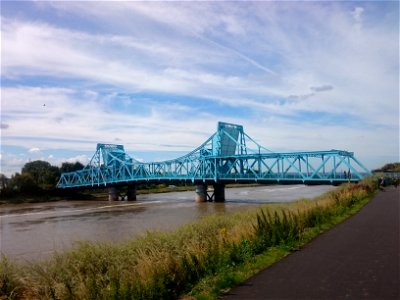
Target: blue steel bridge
column 227, row 156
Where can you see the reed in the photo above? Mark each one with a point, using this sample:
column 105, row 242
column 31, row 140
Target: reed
column 167, row 265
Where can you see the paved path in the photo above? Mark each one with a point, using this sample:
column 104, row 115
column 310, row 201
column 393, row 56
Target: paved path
column 357, row 259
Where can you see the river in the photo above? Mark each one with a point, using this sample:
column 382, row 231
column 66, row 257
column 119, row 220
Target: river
column 35, row 231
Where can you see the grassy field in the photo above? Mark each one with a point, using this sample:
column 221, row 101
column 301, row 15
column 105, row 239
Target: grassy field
column 200, row 260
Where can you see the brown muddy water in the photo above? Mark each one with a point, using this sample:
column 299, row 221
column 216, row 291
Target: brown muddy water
column 35, row 231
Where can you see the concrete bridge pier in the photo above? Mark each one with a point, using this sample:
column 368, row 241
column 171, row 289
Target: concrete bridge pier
column 219, row 192
column 113, row 193
column 131, row 192
column 201, row 193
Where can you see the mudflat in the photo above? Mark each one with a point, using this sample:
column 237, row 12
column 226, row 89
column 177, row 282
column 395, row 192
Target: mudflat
column 357, row 259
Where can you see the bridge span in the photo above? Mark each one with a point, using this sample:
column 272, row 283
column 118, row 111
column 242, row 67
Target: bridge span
column 227, row 156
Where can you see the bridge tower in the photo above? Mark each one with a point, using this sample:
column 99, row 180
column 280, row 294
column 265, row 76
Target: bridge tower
column 229, row 140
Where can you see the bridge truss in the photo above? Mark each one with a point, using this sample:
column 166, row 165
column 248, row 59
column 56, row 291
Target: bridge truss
column 228, row 156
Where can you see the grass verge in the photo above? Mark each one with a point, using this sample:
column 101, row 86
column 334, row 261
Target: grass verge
column 199, row 260
column 211, row 287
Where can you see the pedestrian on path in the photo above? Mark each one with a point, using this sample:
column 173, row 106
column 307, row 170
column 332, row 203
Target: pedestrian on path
column 382, row 184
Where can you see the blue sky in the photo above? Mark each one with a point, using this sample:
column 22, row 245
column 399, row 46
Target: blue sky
column 158, row 76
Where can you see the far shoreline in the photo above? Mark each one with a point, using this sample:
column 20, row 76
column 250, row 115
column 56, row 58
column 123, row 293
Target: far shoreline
column 101, row 194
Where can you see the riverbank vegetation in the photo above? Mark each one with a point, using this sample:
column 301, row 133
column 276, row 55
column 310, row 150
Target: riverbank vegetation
column 200, row 260
column 36, row 182
column 390, row 167
column 38, row 179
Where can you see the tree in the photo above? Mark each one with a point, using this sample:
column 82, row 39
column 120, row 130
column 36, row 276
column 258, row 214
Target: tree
column 44, row 175
column 37, row 178
column 390, row 167
column 23, row 183
column 4, row 182
column 71, row 167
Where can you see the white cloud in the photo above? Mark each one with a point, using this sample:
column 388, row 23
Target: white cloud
column 307, row 64
column 322, row 88
column 80, row 158
column 34, row 150
column 69, row 123
column 11, row 163
column 4, row 126
column 357, row 14
column 248, row 58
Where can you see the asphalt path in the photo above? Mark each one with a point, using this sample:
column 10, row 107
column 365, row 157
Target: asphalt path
column 357, row 259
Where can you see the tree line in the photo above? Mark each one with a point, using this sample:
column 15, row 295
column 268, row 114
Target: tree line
column 390, row 167
column 37, row 178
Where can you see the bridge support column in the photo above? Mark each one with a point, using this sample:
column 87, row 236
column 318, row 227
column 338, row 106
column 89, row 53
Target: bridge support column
column 201, row 193
column 113, row 194
column 131, row 192
column 219, row 192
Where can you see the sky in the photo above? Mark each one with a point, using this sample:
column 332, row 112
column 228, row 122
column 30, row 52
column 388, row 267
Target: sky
column 157, row 77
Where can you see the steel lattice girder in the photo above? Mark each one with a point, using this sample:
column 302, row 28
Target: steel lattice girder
column 229, row 155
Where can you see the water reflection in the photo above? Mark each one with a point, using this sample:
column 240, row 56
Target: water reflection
column 32, row 231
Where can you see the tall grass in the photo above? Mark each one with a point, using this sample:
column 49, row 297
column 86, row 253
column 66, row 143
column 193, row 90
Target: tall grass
column 167, row 265
column 11, row 284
